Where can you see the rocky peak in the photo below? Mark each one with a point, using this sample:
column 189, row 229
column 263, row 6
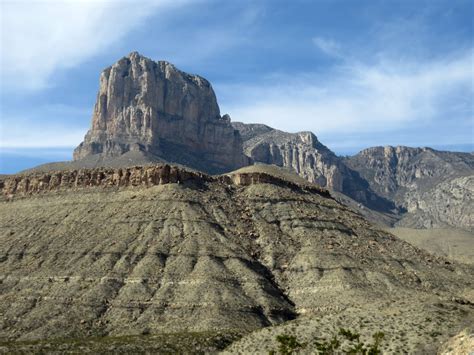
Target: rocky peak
column 154, row 107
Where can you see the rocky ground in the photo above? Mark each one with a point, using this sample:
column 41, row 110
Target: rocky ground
column 411, row 324
column 141, row 252
column 165, row 343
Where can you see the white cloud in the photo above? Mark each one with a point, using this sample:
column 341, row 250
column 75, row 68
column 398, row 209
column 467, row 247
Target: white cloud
column 328, row 46
column 358, row 98
column 40, row 37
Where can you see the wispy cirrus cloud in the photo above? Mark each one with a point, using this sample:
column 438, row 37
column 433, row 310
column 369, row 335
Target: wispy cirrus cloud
column 354, row 97
column 327, row 46
column 40, row 37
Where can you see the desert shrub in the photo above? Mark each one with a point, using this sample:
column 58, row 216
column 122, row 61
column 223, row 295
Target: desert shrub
column 288, row 344
column 345, row 342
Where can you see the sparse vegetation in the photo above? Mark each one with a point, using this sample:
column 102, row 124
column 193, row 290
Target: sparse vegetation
column 345, row 342
column 166, row 343
column 288, row 344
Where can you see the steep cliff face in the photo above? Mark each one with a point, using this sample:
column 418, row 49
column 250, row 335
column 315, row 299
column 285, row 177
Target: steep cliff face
column 435, row 187
column 149, row 106
column 449, row 203
column 304, row 154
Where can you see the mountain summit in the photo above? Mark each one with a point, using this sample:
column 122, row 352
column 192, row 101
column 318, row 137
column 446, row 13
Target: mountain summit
column 161, row 112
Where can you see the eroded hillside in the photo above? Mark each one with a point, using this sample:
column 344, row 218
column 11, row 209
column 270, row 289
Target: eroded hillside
column 113, row 252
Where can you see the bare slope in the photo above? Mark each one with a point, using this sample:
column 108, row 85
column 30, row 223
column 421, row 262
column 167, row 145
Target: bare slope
column 451, row 243
column 161, row 249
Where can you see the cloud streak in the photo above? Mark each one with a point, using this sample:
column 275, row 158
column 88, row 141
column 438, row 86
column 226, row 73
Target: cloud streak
column 40, row 37
column 327, row 46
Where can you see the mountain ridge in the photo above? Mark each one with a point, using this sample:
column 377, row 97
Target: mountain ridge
column 150, row 112
column 406, row 187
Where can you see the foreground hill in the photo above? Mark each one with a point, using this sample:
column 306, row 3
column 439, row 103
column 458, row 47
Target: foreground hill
column 150, row 250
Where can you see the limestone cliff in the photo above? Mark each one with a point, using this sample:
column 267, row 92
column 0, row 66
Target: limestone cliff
column 304, row 154
column 153, row 107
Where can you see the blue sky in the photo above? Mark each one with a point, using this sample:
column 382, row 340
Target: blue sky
column 356, row 73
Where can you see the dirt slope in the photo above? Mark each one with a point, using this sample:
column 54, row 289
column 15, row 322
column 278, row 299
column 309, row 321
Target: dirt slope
column 455, row 244
column 115, row 252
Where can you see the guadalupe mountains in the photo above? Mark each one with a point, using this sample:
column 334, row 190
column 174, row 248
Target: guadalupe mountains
column 414, row 187
column 161, row 235
column 151, row 112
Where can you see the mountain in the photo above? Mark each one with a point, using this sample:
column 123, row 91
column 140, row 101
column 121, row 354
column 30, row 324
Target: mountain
column 304, row 154
column 436, row 188
column 128, row 253
column 120, row 251
column 412, row 187
column 150, row 112
column 162, row 114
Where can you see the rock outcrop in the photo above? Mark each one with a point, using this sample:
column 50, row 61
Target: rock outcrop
column 99, row 177
column 434, row 187
column 305, row 155
column 143, row 176
column 149, row 106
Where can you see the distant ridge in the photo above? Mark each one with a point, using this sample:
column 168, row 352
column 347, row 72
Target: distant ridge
column 412, row 187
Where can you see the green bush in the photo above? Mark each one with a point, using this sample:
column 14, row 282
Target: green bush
column 345, row 342
column 288, row 344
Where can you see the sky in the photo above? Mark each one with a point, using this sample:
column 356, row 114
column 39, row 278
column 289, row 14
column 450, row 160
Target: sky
column 357, row 73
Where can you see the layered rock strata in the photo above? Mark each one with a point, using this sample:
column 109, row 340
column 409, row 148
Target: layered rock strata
column 145, row 176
